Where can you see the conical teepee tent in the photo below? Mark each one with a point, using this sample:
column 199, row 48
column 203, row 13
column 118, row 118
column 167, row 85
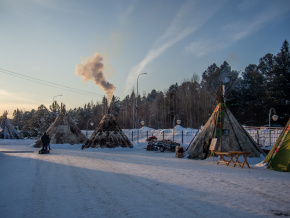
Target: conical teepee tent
column 7, row 129
column 279, row 156
column 63, row 131
column 108, row 135
column 230, row 134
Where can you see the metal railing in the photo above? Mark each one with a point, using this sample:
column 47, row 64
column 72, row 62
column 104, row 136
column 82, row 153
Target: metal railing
column 259, row 134
column 182, row 137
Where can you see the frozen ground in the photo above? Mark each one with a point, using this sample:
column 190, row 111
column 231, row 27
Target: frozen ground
column 70, row 182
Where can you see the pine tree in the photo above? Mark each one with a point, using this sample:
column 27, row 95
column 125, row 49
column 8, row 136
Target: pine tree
column 17, row 119
column 281, row 82
column 253, row 95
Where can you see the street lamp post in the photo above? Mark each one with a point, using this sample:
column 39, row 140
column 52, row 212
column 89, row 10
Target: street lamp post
column 178, row 122
column 274, row 117
column 136, row 124
column 91, row 123
column 53, row 99
column 142, row 123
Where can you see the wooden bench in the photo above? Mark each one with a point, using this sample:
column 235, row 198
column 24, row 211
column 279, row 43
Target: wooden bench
column 233, row 157
column 236, row 155
column 221, row 156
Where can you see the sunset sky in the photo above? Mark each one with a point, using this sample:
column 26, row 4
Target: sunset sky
column 44, row 42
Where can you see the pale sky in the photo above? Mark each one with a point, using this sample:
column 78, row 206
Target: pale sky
column 170, row 40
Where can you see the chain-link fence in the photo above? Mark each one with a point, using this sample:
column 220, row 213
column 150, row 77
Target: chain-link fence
column 261, row 135
column 182, row 137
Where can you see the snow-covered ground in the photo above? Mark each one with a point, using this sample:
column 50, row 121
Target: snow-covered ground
column 123, row 182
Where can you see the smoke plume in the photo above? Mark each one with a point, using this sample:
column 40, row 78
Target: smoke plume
column 92, row 69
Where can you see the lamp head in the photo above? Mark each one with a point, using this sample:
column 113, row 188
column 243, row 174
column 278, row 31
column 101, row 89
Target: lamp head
column 275, row 117
column 178, row 122
column 92, row 123
column 142, row 122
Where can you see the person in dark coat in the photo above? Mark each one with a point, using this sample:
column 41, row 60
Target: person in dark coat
column 48, row 145
column 45, row 140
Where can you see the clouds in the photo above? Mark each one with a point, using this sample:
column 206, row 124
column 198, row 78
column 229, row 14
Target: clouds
column 119, row 36
column 124, row 15
column 248, row 4
column 241, row 28
column 10, row 96
column 189, row 18
column 245, row 27
column 202, row 47
column 8, row 99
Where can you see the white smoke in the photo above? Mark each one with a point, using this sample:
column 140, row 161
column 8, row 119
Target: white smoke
column 92, row 69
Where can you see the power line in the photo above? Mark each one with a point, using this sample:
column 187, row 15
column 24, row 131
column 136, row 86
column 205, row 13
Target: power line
column 47, row 83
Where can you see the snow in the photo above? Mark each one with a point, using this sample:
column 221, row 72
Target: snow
column 124, row 182
column 145, row 128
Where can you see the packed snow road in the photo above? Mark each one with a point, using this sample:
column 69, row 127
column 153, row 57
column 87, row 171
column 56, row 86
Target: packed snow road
column 70, row 182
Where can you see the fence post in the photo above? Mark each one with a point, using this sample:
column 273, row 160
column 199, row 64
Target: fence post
column 258, row 137
column 163, row 135
column 147, row 134
column 132, row 135
column 182, row 136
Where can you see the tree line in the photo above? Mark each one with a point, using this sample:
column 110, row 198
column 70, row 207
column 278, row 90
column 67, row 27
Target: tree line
column 249, row 95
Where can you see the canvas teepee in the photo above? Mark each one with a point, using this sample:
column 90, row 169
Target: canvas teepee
column 7, row 129
column 279, row 156
column 108, row 135
column 63, row 131
column 230, row 135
